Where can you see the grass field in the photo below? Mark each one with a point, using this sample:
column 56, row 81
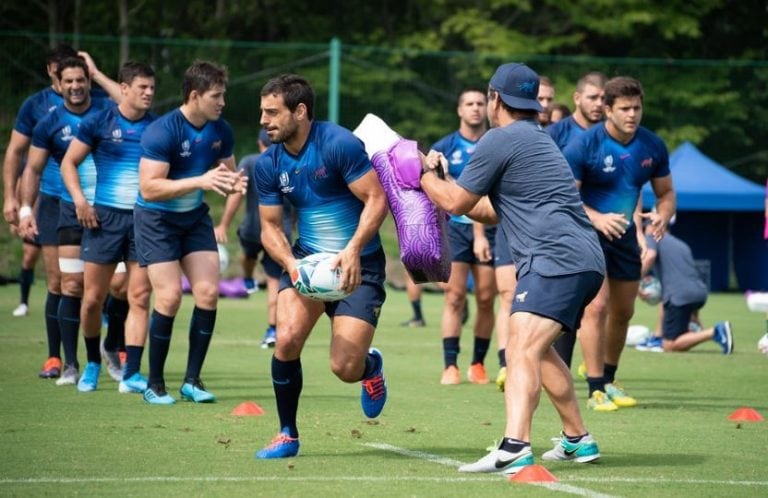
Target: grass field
column 677, row 442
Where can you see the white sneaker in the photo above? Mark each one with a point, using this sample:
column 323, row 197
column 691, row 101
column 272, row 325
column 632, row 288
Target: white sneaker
column 112, row 359
column 68, row 376
column 21, row 310
column 501, row 461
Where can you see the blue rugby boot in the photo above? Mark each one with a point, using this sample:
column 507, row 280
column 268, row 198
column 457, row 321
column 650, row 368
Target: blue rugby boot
column 374, row 392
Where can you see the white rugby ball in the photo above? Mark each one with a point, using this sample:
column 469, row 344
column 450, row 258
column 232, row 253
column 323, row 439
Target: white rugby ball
column 650, row 290
column 762, row 344
column 637, row 334
column 314, row 278
column 223, row 258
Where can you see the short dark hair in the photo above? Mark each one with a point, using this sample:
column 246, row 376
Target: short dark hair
column 132, row 70
column 294, row 89
column 60, row 52
column 470, row 89
column 201, row 76
column 68, row 62
column 622, row 86
column 594, row 78
column 545, row 81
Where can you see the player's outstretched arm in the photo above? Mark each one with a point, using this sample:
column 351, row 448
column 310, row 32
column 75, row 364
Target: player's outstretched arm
column 109, row 85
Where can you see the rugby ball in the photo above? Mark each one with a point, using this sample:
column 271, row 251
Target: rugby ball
column 650, row 290
column 637, row 334
column 314, row 278
column 762, row 344
column 223, row 258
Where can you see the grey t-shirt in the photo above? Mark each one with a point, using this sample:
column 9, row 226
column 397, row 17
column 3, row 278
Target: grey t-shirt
column 533, row 192
column 681, row 282
column 250, row 227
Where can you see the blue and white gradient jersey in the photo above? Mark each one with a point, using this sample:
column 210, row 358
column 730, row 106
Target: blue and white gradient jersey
column 115, row 143
column 565, row 131
column 611, row 173
column 54, row 133
column 457, row 150
column 35, row 108
column 188, row 150
column 316, row 183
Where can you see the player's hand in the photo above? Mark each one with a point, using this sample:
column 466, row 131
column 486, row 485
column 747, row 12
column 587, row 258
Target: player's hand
column 11, row 210
column 349, row 262
column 221, row 234
column 241, row 183
column 658, row 224
column 219, row 179
column 92, row 69
column 86, row 215
column 436, row 161
column 482, row 249
column 28, row 227
column 611, row 225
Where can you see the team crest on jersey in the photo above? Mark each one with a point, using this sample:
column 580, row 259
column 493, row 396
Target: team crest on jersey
column 647, row 163
column 216, row 145
column 117, row 135
column 457, row 157
column 66, row 133
column 608, row 165
column 320, row 173
column 285, row 180
column 185, row 149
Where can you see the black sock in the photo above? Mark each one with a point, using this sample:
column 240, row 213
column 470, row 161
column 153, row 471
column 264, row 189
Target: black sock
column 69, row 324
column 117, row 312
column 609, row 373
column 502, row 358
column 133, row 356
column 416, row 305
column 512, row 445
column 480, row 350
column 564, row 346
column 287, row 381
column 574, row 439
column 52, row 329
column 92, row 349
column 160, row 331
column 372, row 366
column 200, row 334
column 25, row 282
column 450, row 351
column 595, row 384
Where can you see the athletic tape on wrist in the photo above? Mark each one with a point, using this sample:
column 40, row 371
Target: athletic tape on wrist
column 24, row 212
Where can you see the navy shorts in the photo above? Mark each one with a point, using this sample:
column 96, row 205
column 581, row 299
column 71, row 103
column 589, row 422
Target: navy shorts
column 366, row 302
column 622, row 256
column 677, row 318
column 252, row 249
column 163, row 236
column 113, row 241
column 461, row 239
column 501, row 253
column 47, row 219
column 561, row 298
column 70, row 231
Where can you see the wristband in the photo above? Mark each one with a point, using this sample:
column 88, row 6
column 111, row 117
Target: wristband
column 25, row 212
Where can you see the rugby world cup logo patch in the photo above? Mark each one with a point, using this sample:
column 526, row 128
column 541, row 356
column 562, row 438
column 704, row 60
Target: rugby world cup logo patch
column 185, row 149
column 608, row 165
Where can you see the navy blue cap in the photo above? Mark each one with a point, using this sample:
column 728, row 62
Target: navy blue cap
column 518, row 86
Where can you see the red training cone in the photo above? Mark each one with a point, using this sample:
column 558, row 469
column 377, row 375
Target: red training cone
column 533, row 473
column 247, row 409
column 745, row 414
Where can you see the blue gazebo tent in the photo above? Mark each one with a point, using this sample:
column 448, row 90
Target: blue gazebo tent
column 721, row 216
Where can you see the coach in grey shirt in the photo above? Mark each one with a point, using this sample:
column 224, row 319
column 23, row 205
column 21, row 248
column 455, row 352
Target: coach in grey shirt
column 518, row 178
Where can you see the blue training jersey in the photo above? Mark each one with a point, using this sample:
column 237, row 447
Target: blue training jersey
column 54, row 133
column 457, row 150
column 316, row 184
column 115, row 143
column 565, row 131
column 612, row 173
column 189, row 151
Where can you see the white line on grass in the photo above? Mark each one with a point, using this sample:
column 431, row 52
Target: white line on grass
column 174, row 479
column 554, row 486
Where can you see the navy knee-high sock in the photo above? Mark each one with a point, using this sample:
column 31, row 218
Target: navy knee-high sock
column 133, row 356
column 117, row 311
column 564, row 346
column 480, row 350
column 52, row 329
column 200, row 334
column 92, row 349
column 502, row 358
column 450, row 351
column 25, row 282
column 160, row 330
column 287, row 381
column 69, row 324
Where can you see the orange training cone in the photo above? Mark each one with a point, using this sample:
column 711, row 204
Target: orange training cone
column 247, row 409
column 745, row 414
column 533, row 473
